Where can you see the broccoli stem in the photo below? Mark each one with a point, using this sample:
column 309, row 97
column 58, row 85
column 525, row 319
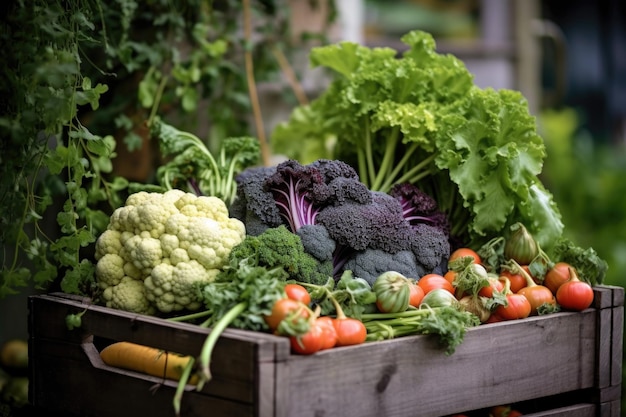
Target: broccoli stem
column 211, row 340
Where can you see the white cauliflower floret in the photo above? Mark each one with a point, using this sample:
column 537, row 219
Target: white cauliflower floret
column 169, row 243
column 110, row 270
column 179, row 255
column 212, row 241
column 109, row 242
column 174, row 235
column 144, row 252
column 175, row 287
column 128, row 295
column 203, row 206
column 120, row 219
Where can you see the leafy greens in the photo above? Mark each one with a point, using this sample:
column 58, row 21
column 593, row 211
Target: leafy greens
column 418, row 117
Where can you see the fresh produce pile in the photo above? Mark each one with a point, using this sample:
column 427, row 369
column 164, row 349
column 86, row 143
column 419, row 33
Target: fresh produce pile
column 429, row 219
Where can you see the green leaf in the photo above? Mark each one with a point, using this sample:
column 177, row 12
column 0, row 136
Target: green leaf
column 67, row 221
column 189, row 99
column 342, row 57
column 12, row 279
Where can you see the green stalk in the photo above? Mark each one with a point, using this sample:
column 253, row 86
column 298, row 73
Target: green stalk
column 211, row 340
column 363, row 171
column 368, row 158
column 391, row 178
column 192, row 316
column 388, row 159
column 180, row 388
column 184, row 378
column 386, row 316
column 418, row 171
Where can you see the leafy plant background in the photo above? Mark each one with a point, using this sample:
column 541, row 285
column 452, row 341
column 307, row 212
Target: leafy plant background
column 587, row 180
column 80, row 80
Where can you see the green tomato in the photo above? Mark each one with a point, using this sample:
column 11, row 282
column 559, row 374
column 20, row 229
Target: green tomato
column 439, row 298
column 520, row 245
column 392, row 291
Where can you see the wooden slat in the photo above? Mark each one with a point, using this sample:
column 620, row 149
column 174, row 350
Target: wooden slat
column 256, row 375
column 498, row 363
column 235, row 362
column 577, row 410
column 62, row 385
column 617, row 345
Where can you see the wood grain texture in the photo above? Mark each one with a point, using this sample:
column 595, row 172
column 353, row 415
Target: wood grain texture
column 255, row 375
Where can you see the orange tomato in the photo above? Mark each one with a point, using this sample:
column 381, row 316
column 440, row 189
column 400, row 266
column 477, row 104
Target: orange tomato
column 431, row 282
column 451, row 276
column 416, row 295
column 463, row 252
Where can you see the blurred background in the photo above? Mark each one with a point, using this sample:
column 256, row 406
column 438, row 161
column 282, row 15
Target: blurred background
column 567, row 57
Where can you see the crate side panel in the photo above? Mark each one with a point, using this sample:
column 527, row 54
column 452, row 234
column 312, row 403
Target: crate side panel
column 617, row 345
column 495, row 364
column 235, row 356
column 64, row 384
column 234, row 364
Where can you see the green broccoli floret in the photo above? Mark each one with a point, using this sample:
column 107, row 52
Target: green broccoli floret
column 278, row 247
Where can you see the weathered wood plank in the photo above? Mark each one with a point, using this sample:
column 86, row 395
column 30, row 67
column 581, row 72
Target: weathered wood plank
column 498, row 363
column 256, row 375
column 577, row 410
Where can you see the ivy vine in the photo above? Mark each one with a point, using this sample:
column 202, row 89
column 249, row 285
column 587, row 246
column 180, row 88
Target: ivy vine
column 80, row 79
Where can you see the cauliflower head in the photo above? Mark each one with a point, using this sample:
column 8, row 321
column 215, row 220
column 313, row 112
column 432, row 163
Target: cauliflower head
column 159, row 248
column 175, row 287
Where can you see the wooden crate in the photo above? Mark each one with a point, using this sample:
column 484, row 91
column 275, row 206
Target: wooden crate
column 254, row 374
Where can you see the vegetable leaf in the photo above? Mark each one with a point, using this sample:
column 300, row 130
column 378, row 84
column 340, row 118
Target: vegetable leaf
column 417, row 117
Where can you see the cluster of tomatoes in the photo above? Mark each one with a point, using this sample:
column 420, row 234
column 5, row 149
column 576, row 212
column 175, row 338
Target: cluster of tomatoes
column 525, row 295
column 308, row 331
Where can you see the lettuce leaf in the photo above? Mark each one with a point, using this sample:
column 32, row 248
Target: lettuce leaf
column 416, row 116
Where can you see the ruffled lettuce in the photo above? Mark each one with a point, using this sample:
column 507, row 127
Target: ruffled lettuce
column 416, row 116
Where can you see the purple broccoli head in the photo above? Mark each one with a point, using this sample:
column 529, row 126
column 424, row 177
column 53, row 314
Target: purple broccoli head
column 301, row 191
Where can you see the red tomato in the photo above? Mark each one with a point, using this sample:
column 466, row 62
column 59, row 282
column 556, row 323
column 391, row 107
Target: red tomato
column 298, row 292
column 416, row 295
column 310, row 342
column 494, row 285
column 557, row 276
column 462, row 252
column 349, row 331
column 431, row 282
column 575, row 295
column 518, row 308
column 517, row 280
column 329, row 339
column 284, row 308
column 494, row 318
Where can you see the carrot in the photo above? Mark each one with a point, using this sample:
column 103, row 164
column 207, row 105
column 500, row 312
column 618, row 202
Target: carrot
column 146, row 359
